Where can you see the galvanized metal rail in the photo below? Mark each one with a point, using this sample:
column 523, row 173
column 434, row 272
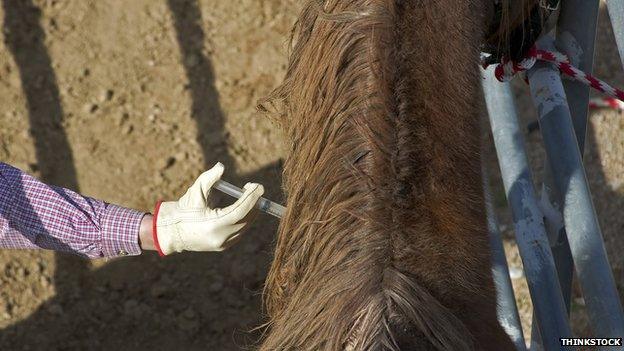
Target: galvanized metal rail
column 616, row 12
column 561, row 231
column 577, row 42
column 529, row 227
column 507, row 311
column 583, row 230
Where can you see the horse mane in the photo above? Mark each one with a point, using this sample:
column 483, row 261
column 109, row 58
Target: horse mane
column 512, row 18
column 383, row 245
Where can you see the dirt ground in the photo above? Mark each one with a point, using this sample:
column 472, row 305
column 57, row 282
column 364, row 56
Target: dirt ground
column 129, row 101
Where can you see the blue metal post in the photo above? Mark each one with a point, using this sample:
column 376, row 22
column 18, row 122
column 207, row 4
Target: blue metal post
column 616, row 12
column 584, row 236
column 507, row 310
column 531, row 237
column 577, row 42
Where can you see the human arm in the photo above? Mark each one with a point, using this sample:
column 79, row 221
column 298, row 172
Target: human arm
column 34, row 215
column 146, row 233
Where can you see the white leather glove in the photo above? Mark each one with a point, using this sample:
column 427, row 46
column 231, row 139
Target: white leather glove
column 190, row 225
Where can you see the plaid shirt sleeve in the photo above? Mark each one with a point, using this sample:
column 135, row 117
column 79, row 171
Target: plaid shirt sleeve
column 35, row 215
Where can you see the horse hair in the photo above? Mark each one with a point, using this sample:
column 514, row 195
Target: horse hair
column 384, row 243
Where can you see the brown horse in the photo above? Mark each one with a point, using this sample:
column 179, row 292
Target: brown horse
column 384, row 245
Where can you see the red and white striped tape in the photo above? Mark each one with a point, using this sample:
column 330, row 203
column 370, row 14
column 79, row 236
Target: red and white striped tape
column 507, row 69
column 606, row 103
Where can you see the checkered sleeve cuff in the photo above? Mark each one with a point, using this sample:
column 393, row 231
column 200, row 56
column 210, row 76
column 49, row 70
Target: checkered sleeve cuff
column 120, row 231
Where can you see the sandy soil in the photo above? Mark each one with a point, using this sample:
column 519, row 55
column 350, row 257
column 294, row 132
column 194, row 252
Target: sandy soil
column 129, row 101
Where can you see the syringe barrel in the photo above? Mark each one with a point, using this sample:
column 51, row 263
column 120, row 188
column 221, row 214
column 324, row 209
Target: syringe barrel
column 263, row 204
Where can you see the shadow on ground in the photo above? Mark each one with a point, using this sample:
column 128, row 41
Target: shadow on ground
column 189, row 301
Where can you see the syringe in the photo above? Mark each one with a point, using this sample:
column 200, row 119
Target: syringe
column 263, row 204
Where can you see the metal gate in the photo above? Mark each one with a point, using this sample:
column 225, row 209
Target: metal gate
column 567, row 237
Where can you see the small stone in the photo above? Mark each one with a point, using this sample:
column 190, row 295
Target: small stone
column 117, row 284
column 127, row 129
column 20, row 271
column 135, row 309
column 188, row 325
column 105, row 95
column 215, row 138
column 55, row 309
column 191, row 60
column 158, row 178
column 215, row 287
column 130, row 304
column 120, row 119
column 90, row 108
column 252, row 247
column 234, row 301
column 249, row 269
column 42, row 265
column 45, row 281
column 167, row 163
column 68, row 91
column 188, row 320
column 189, row 313
column 183, row 155
column 158, row 290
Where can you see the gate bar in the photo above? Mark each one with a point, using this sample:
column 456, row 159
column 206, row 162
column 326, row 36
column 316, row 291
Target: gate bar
column 584, row 236
column 577, row 42
column 507, row 310
column 616, row 12
column 531, row 237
